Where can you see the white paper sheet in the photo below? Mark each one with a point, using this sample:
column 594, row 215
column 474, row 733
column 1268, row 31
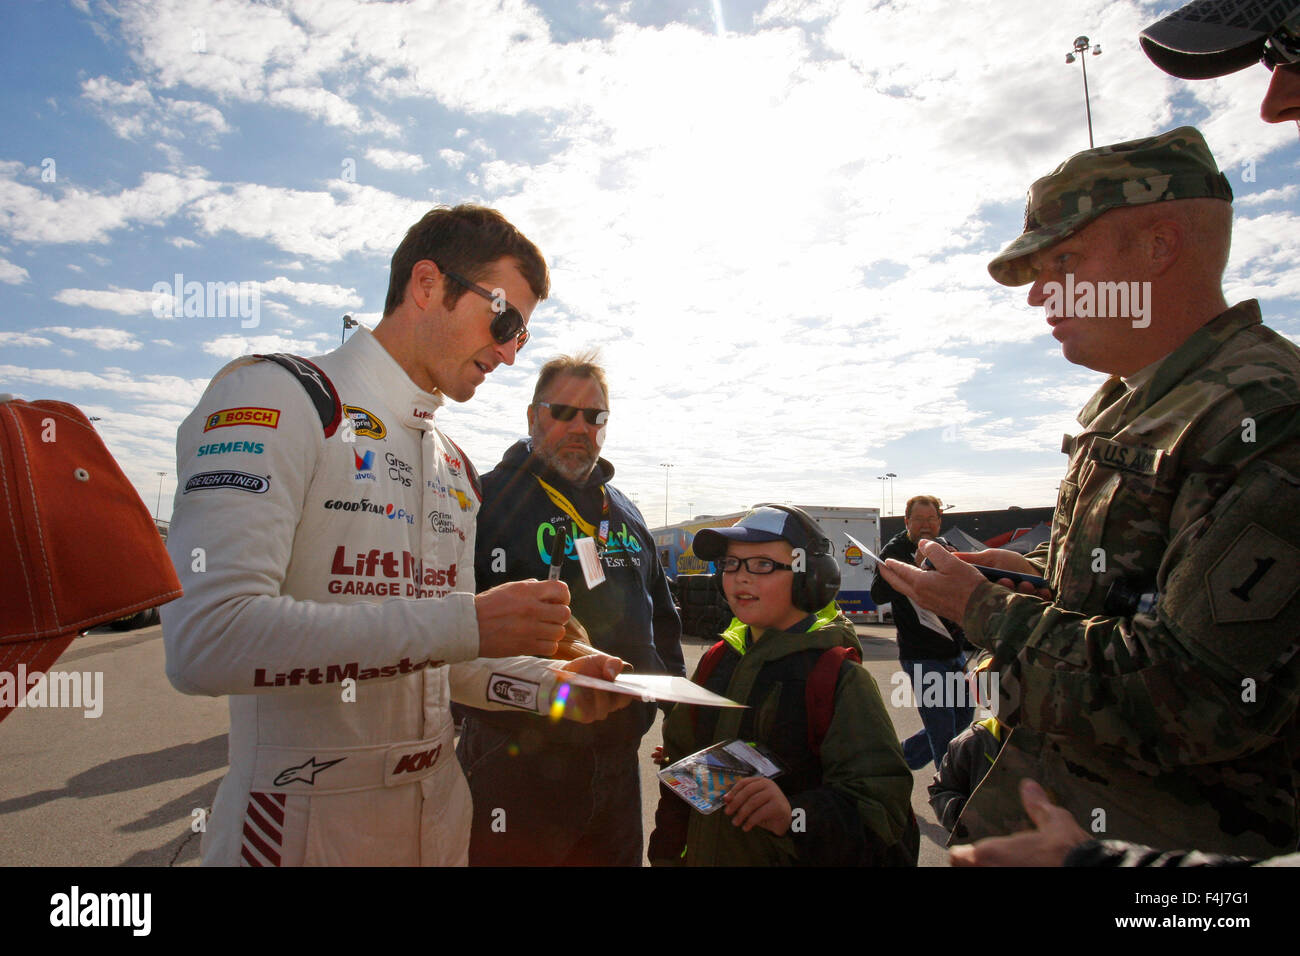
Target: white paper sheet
column 653, row 687
column 928, row 618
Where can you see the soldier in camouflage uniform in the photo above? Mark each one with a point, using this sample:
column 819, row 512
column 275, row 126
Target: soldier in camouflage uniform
column 1154, row 695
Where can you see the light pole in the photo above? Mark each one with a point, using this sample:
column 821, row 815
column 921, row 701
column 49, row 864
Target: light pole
column 348, row 323
column 665, row 466
column 888, row 476
column 1082, row 46
column 158, row 504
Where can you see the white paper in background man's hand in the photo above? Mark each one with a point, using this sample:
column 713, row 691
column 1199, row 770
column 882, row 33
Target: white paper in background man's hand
column 928, row 618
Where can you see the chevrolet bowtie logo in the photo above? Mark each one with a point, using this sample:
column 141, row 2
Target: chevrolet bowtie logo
column 305, row 772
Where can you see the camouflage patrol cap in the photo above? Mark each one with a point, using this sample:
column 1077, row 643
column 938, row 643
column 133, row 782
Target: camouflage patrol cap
column 1173, row 165
column 1208, row 38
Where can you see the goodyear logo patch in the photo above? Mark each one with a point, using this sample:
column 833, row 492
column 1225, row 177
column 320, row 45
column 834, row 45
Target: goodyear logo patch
column 228, row 417
column 364, row 422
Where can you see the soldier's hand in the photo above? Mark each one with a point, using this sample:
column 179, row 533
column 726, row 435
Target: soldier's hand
column 521, row 617
column 946, row 590
column 1005, row 560
column 1054, row 835
column 584, row 704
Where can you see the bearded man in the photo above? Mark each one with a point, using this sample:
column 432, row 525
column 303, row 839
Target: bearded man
column 544, row 796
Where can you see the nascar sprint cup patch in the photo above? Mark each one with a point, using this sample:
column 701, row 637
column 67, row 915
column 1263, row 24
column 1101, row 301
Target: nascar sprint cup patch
column 505, row 689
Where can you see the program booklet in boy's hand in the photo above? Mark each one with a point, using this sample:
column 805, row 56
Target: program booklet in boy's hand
column 706, row 775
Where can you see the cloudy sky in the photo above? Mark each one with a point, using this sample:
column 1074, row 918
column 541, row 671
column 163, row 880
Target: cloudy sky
column 773, row 217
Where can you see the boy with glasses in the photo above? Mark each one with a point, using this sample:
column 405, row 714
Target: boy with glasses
column 792, row 657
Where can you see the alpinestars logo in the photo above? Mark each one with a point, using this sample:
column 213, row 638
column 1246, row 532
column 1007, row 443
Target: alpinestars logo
column 304, row 772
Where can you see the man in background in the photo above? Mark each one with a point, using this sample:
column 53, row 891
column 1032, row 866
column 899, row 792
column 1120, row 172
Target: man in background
column 924, row 654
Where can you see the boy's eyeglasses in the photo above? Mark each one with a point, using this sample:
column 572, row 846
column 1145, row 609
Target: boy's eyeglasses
column 730, row 565
column 564, row 413
column 1282, row 47
column 507, row 323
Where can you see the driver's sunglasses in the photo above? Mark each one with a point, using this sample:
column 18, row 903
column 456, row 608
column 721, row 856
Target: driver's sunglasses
column 730, row 565
column 1282, row 47
column 507, row 323
column 564, row 413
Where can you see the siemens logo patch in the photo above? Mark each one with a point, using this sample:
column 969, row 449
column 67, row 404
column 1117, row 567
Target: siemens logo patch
column 257, row 484
column 226, row 447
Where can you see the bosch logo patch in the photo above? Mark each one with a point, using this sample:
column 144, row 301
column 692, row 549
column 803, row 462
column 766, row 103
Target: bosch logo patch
column 228, row 417
column 240, row 480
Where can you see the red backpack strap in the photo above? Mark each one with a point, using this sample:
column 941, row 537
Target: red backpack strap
column 819, row 693
column 703, row 671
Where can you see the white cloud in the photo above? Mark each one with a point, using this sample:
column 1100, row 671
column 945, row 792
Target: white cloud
column 162, row 388
column 11, row 273
column 311, row 293
column 102, row 338
column 322, row 225
column 233, row 346
column 113, row 299
column 453, row 158
column 133, row 112
column 1275, row 195
column 22, row 338
column 73, row 214
column 395, row 159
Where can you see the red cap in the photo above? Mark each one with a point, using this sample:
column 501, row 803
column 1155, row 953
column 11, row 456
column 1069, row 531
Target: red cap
column 77, row 545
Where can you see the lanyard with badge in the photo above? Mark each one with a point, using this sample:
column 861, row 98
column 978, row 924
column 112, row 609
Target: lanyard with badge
column 586, row 527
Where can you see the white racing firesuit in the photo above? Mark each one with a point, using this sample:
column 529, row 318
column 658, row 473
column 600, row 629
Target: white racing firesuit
column 327, row 557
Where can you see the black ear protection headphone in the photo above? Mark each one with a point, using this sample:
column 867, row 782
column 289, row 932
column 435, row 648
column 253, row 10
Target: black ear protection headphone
column 819, row 581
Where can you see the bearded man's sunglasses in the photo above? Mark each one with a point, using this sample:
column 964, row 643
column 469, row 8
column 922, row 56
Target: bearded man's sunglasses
column 507, row 323
column 564, row 413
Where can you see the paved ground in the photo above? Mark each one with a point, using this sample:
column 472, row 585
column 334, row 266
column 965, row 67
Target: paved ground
column 121, row 789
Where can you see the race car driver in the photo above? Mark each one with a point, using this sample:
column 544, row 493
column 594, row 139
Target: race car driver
column 324, row 536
